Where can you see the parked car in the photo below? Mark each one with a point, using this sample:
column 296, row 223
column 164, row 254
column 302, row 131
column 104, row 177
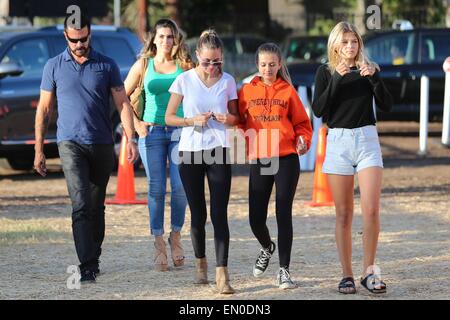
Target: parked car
column 23, row 54
column 239, row 55
column 403, row 56
column 305, row 49
column 305, row 53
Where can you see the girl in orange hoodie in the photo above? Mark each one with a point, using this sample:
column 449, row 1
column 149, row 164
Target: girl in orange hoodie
column 277, row 130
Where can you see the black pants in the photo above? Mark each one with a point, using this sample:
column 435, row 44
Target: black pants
column 260, row 188
column 193, row 169
column 87, row 169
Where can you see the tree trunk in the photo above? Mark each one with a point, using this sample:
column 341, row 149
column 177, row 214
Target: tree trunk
column 142, row 19
column 172, row 10
column 359, row 16
column 447, row 17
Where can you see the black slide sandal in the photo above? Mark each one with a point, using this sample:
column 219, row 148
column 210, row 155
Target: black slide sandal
column 374, row 284
column 345, row 283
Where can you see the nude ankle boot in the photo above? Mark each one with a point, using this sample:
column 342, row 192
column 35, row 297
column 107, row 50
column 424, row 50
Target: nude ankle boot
column 201, row 272
column 223, row 281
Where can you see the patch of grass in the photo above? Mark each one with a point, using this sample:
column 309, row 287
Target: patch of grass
column 20, row 232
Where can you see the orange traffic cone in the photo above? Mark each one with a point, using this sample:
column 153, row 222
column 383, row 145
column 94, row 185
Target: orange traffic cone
column 125, row 179
column 321, row 192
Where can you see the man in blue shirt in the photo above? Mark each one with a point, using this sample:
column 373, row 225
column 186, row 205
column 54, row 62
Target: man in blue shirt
column 82, row 80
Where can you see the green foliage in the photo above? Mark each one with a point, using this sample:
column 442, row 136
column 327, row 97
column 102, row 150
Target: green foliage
column 198, row 15
column 327, row 6
column 429, row 13
column 45, row 21
column 323, row 24
column 322, row 27
column 129, row 12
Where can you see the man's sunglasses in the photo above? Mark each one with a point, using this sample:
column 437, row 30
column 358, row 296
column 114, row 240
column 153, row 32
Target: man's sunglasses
column 82, row 40
column 205, row 64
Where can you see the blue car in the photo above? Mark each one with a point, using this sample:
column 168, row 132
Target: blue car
column 23, row 54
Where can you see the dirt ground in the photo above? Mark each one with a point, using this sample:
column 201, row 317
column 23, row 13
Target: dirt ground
column 36, row 244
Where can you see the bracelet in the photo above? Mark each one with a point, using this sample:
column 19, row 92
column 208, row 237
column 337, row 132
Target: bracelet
column 185, row 122
column 133, row 140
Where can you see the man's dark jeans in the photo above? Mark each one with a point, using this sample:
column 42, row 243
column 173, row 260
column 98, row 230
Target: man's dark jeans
column 87, row 169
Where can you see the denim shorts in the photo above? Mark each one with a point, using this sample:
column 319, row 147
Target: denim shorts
column 350, row 150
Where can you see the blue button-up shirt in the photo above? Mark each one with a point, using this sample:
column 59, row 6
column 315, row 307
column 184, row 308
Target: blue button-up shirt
column 83, row 93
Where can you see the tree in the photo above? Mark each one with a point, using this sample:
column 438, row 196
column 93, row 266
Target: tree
column 429, row 13
column 129, row 12
column 197, row 15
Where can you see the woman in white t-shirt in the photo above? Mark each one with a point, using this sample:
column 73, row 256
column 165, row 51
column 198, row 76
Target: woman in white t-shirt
column 209, row 105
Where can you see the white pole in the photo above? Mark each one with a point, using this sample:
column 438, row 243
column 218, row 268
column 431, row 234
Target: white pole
column 446, row 115
column 317, row 124
column 303, row 94
column 308, row 160
column 117, row 13
column 424, row 95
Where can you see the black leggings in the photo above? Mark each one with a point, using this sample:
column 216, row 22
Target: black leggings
column 260, row 188
column 219, row 181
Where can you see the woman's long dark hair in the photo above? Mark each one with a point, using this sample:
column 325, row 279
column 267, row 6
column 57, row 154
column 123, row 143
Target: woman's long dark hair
column 180, row 52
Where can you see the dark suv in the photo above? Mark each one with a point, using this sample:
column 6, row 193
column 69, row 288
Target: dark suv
column 403, row 56
column 23, row 54
column 305, row 49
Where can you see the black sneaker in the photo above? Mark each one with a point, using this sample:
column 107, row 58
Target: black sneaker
column 87, row 276
column 284, row 279
column 262, row 262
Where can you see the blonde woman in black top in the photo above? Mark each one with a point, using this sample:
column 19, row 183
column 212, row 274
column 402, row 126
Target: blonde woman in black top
column 345, row 89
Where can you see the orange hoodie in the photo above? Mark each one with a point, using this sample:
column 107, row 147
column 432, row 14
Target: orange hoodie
column 272, row 114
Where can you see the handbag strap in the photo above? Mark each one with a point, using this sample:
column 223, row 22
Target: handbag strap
column 143, row 72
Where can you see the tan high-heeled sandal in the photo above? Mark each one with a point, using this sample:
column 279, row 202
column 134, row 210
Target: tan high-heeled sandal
column 176, row 249
column 160, row 258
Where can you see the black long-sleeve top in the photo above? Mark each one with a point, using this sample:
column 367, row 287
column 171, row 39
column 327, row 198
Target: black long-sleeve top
column 346, row 101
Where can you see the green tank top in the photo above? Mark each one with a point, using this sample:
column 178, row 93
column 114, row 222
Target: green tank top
column 157, row 94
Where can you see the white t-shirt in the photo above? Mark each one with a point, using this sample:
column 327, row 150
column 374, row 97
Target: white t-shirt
column 197, row 99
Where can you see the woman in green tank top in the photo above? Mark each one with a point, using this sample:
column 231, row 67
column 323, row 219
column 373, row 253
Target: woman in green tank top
column 157, row 96
column 166, row 56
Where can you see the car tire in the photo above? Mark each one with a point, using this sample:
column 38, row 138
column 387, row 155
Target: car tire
column 24, row 162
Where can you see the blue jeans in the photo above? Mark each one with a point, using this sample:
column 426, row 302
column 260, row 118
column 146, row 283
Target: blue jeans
column 87, row 169
column 155, row 149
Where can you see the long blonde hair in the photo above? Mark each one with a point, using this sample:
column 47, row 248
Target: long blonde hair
column 270, row 47
column 180, row 52
column 334, row 41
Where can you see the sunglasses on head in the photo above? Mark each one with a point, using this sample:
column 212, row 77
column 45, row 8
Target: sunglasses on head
column 207, row 63
column 82, row 40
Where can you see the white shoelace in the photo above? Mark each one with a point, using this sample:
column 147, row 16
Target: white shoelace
column 285, row 276
column 263, row 258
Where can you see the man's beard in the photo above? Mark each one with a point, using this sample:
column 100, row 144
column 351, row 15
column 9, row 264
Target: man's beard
column 81, row 52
